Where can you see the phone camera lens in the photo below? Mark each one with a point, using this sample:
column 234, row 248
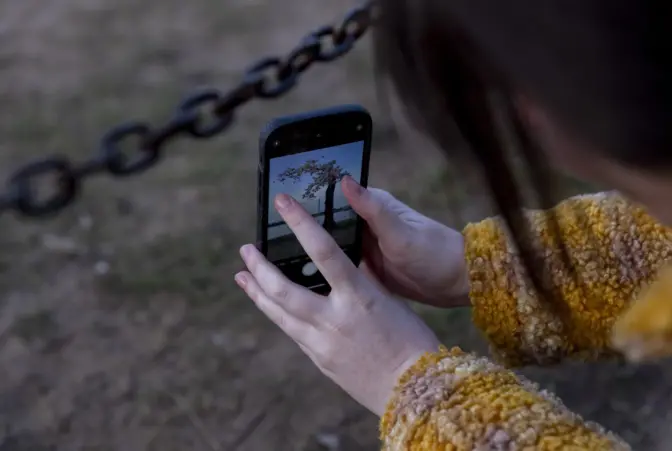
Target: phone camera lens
column 276, row 143
column 359, row 128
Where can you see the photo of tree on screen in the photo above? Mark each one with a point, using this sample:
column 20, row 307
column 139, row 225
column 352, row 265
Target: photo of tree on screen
column 313, row 178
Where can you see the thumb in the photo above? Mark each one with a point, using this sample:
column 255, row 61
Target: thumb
column 375, row 206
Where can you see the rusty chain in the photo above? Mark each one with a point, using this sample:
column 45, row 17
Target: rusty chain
column 201, row 115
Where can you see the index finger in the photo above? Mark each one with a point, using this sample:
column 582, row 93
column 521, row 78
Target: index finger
column 337, row 269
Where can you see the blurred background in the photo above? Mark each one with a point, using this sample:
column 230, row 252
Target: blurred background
column 120, row 325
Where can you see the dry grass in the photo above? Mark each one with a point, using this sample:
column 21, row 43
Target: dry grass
column 120, row 327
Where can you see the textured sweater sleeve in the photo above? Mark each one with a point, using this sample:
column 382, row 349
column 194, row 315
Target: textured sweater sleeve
column 451, row 400
column 614, row 247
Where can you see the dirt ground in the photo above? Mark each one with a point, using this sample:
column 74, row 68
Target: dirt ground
column 120, row 326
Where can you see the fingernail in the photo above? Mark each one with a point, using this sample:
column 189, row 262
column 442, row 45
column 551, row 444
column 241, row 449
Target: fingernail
column 246, row 250
column 283, row 201
column 241, row 280
column 354, row 185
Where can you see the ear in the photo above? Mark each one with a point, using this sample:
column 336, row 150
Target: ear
column 530, row 113
column 565, row 153
column 544, row 130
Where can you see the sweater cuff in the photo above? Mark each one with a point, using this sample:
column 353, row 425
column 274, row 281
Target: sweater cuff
column 454, row 400
column 493, row 282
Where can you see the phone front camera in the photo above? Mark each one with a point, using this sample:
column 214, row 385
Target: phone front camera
column 359, row 128
column 276, row 143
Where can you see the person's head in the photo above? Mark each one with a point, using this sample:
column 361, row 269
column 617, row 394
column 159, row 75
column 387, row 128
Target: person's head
column 586, row 86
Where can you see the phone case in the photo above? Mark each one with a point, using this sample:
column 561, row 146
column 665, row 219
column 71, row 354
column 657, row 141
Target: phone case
column 268, row 129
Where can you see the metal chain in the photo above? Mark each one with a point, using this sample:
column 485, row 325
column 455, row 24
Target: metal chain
column 201, row 115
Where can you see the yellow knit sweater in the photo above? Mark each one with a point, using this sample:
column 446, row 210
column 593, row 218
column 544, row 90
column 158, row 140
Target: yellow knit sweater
column 451, row 400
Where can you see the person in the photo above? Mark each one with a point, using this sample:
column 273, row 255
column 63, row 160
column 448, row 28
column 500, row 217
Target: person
column 580, row 87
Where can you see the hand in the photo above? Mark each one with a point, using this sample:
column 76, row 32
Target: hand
column 412, row 255
column 358, row 335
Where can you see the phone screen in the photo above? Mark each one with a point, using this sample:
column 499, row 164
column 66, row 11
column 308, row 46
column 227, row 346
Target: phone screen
column 313, row 178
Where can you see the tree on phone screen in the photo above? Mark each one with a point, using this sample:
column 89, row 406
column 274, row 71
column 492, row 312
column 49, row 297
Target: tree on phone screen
column 323, row 175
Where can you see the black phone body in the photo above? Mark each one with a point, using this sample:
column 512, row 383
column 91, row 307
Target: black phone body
column 306, row 156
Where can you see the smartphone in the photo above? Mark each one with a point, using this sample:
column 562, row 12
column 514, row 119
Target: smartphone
column 306, row 156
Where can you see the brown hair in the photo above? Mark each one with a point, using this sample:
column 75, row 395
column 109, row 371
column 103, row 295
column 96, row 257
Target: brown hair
column 601, row 68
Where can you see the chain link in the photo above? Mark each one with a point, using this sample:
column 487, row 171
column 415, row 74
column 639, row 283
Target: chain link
column 201, row 115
